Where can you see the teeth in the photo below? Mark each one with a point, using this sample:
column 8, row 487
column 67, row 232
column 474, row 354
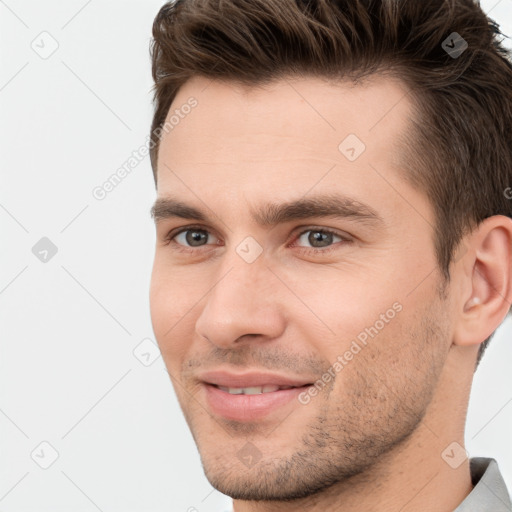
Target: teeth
column 256, row 390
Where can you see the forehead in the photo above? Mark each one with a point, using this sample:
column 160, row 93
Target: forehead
column 289, row 136
column 293, row 117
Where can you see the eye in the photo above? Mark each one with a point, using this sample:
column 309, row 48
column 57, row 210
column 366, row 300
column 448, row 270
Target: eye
column 192, row 237
column 313, row 239
column 318, row 238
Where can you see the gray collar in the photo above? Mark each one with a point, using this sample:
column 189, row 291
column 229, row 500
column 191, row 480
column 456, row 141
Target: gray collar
column 489, row 492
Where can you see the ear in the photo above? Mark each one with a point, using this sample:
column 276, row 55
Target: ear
column 485, row 291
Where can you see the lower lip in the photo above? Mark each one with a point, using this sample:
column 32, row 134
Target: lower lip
column 248, row 407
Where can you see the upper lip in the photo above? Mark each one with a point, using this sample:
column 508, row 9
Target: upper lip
column 250, row 379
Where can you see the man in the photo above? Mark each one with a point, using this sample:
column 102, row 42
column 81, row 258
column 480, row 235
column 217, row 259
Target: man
column 334, row 245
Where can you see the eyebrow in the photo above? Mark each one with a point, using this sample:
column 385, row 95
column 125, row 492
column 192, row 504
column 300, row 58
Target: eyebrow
column 270, row 214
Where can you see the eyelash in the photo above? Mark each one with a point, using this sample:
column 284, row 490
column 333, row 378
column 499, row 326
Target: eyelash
column 181, row 248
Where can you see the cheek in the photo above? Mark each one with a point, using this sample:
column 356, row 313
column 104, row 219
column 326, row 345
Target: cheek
column 341, row 304
column 171, row 310
column 173, row 293
column 383, row 364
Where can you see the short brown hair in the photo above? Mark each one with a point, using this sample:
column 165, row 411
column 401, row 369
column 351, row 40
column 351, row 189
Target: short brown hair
column 459, row 148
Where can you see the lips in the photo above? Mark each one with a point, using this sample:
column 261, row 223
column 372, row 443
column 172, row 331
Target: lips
column 251, row 380
column 250, row 396
column 253, row 390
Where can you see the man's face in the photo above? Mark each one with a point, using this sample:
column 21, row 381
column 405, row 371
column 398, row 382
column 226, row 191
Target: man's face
column 354, row 296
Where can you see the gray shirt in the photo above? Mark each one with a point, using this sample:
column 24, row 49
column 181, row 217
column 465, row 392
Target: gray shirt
column 489, row 493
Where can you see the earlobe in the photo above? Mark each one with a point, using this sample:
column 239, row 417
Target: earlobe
column 487, row 290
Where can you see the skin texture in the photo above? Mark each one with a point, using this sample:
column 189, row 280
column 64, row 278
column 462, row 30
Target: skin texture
column 373, row 438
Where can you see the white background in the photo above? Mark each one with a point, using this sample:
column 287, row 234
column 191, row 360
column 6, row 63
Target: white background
column 68, row 374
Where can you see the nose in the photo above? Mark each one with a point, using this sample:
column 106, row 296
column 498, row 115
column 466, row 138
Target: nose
column 244, row 304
